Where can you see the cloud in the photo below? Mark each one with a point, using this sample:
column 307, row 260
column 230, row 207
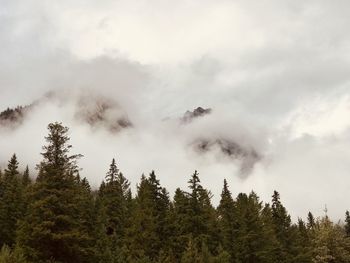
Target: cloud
column 276, row 75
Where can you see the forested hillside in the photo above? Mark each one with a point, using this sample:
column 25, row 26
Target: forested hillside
column 58, row 218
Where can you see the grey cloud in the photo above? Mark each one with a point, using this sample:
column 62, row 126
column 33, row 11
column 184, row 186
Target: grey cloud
column 258, row 65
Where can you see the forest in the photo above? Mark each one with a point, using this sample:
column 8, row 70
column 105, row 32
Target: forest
column 58, row 217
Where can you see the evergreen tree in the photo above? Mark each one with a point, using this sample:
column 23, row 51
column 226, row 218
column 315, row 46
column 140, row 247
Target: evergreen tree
column 330, row 243
column 191, row 255
column 310, row 221
column 347, row 224
column 11, row 208
column 26, row 177
column 254, row 239
column 226, row 216
column 194, row 217
column 304, row 243
column 285, row 233
column 148, row 232
column 8, row 255
column 181, row 223
column 53, row 228
column 115, row 197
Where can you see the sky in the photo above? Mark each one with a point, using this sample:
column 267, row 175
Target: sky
column 276, row 75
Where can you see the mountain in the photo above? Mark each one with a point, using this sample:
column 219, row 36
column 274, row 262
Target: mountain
column 13, row 117
column 198, row 112
column 95, row 111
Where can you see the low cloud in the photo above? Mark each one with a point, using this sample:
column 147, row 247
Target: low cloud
column 275, row 74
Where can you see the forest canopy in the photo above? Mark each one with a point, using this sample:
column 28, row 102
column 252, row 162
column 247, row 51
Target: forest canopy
column 57, row 217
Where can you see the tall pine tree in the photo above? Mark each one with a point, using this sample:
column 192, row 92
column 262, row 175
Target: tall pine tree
column 11, row 202
column 52, row 229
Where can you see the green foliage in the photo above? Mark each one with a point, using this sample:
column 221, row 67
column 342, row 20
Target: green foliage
column 148, row 233
column 59, row 218
column 54, row 227
column 11, row 202
column 226, row 220
column 347, row 224
column 11, row 256
column 330, row 243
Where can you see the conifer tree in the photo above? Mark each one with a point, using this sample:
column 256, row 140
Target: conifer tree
column 53, row 227
column 181, row 223
column 115, row 197
column 330, row 243
column 26, row 177
column 202, row 214
column 195, row 217
column 255, row 242
column 285, row 233
column 11, row 208
column 146, row 233
column 310, row 221
column 226, row 215
column 191, row 255
column 347, row 224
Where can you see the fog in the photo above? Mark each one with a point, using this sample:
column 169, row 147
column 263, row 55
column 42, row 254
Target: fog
column 275, row 74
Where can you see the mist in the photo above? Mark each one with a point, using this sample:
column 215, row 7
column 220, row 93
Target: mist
column 278, row 89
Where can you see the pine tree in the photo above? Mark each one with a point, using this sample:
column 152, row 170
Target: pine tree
column 26, row 177
column 191, row 255
column 226, row 216
column 11, row 203
column 149, row 224
column 286, row 234
column 8, row 255
column 202, row 214
column 181, row 222
column 347, row 224
column 194, row 217
column 115, row 197
column 303, row 243
column 53, row 227
column 255, row 240
column 310, row 221
column 330, row 243
column 112, row 173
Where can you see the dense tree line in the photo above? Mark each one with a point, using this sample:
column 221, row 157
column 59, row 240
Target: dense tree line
column 59, row 218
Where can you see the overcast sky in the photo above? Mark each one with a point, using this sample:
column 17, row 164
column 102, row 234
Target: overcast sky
column 275, row 73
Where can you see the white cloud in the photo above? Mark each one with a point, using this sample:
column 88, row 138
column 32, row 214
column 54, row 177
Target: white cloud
column 276, row 74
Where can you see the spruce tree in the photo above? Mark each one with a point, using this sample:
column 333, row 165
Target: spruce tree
column 347, row 224
column 11, row 203
column 114, row 195
column 310, row 221
column 148, row 231
column 26, row 177
column 53, row 229
column 286, row 234
column 181, row 222
column 330, row 243
column 255, row 242
column 226, row 216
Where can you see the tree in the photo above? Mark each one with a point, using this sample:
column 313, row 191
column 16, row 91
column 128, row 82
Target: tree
column 11, row 203
column 115, row 196
column 52, row 228
column 11, row 256
column 195, row 217
column 310, row 221
column 148, row 231
column 226, row 217
column 191, row 255
column 26, row 177
column 347, row 224
column 330, row 243
column 255, row 241
column 286, row 233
